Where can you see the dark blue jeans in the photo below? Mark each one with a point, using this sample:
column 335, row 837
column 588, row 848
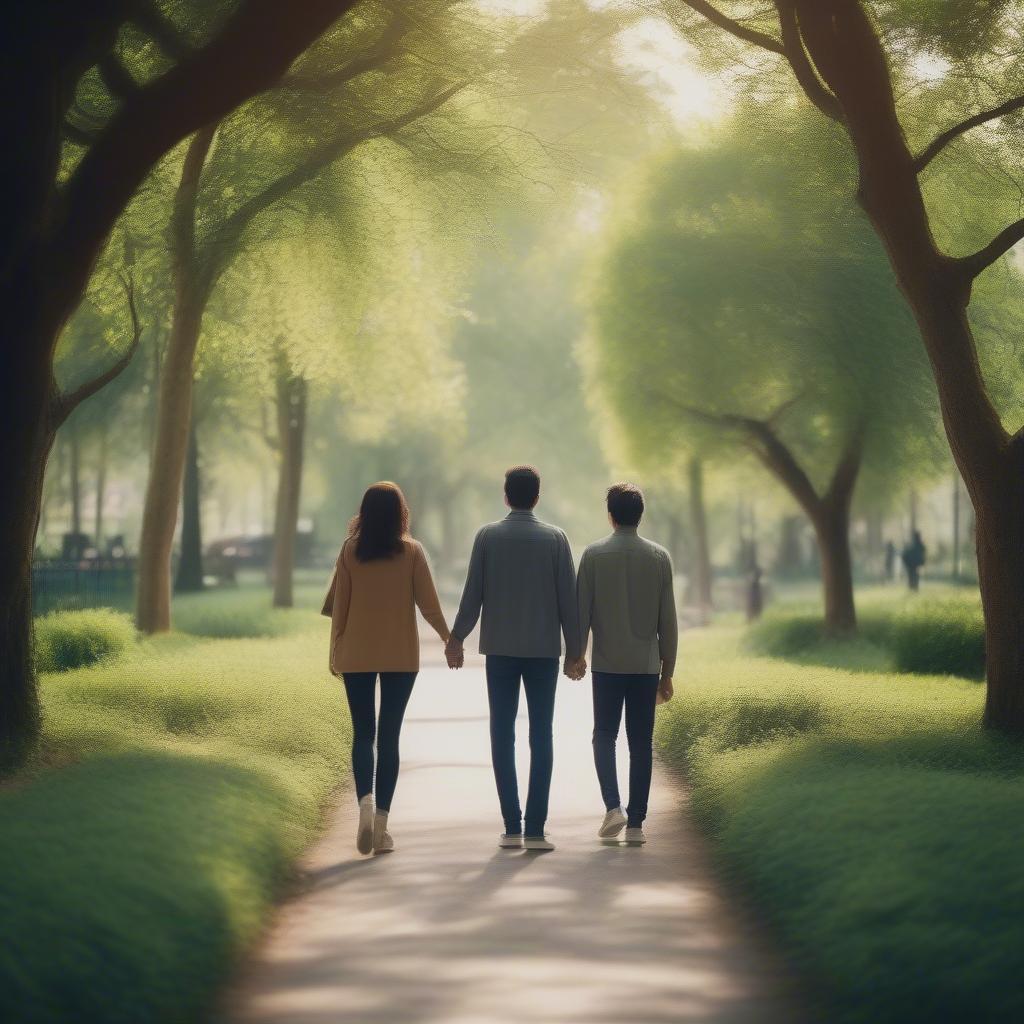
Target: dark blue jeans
column 639, row 693
column 395, row 690
column 539, row 677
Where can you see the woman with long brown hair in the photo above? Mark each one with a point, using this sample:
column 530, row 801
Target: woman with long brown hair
column 382, row 576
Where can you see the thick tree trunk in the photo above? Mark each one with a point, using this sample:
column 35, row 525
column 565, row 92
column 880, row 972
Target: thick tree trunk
column 291, row 430
column 190, row 565
column 25, row 400
column 701, row 568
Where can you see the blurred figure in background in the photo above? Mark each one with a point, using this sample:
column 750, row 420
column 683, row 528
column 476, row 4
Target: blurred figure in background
column 890, row 561
column 915, row 554
column 755, row 593
column 381, row 577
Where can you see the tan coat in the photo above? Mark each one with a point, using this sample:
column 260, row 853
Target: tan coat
column 372, row 606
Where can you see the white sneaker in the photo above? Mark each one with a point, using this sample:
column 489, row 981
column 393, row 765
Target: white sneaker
column 635, row 837
column 510, row 842
column 538, row 843
column 364, row 832
column 382, row 841
column 614, row 822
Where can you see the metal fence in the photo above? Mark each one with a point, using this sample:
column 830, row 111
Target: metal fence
column 58, row 585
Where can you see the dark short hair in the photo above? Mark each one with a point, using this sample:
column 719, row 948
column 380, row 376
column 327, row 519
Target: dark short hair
column 625, row 504
column 522, row 486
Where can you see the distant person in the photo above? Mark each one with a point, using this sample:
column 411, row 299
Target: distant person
column 627, row 601
column 755, row 593
column 381, row 577
column 521, row 584
column 890, row 560
column 915, row 554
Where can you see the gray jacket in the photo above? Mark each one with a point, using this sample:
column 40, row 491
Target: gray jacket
column 626, row 599
column 521, row 575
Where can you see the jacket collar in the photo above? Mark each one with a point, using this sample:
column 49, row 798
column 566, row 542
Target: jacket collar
column 627, row 531
column 520, row 513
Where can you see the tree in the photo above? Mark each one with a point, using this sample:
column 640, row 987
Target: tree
column 56, row 214
column 746, row 302
column 848, row 57
column 377, row 84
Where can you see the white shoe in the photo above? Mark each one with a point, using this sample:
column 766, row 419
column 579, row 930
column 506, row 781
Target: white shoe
column 614, row 822
column 382, row 841
column 510, row 842
column 364, row 832
column 635, row 837
column 538, row 843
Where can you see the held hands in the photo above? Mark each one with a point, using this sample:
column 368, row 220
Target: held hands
column 454, row 653
column 575, row 668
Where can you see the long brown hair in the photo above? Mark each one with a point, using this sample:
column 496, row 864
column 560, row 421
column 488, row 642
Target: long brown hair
column 382, row 523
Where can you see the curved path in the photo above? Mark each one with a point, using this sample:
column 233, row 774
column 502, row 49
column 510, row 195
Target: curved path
column 451, row 930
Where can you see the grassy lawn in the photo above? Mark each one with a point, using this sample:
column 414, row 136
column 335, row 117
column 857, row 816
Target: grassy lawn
column 193, row 771
column 870, row 818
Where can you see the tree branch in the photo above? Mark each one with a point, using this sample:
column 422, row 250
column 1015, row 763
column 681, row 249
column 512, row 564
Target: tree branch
column 116, row 77
column 847, row 469
column 736, row 28
column 941, row 141
column 974, row 264
column 249, row 54
column 233, row 227
column 803, row 70
column 66, row 403
column 167, row 36
column 378, row 53
column 769, row 448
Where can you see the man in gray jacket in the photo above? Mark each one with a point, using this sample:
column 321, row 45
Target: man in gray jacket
column 521, row 578
column 626, row 599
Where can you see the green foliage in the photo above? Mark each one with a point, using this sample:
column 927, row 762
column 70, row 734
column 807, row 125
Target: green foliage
column 940, row 637
column 872, row 820
column 76, row 639
column 743, row 282
column 138, row 874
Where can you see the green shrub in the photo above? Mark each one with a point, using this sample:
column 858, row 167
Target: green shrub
column 871, row 818
column 940, row 637
column 132, row 880
column 67, row 640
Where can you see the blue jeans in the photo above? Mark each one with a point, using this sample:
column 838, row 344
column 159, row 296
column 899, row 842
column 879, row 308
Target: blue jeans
column 639, row 693
column 361, row 690
column 539, row 677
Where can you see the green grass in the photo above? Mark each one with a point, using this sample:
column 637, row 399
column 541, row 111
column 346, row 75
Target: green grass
column 871, row 819
column 195, row 772
column 66, row 640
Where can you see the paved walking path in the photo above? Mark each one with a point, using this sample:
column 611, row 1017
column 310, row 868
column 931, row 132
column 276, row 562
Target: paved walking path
column 451, row 930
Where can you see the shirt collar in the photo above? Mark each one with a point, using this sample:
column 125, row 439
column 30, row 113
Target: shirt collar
column 520, row 513
column 627, row 530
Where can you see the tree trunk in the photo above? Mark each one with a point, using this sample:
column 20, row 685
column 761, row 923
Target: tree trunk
column 25, row 398
column 101, row 483
column 844, row 45
column 190, row 565
column 75, row 481
column 163, row 490
column 291, row 429
column 832, row 531
column 192, row 283
column 701, row 568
